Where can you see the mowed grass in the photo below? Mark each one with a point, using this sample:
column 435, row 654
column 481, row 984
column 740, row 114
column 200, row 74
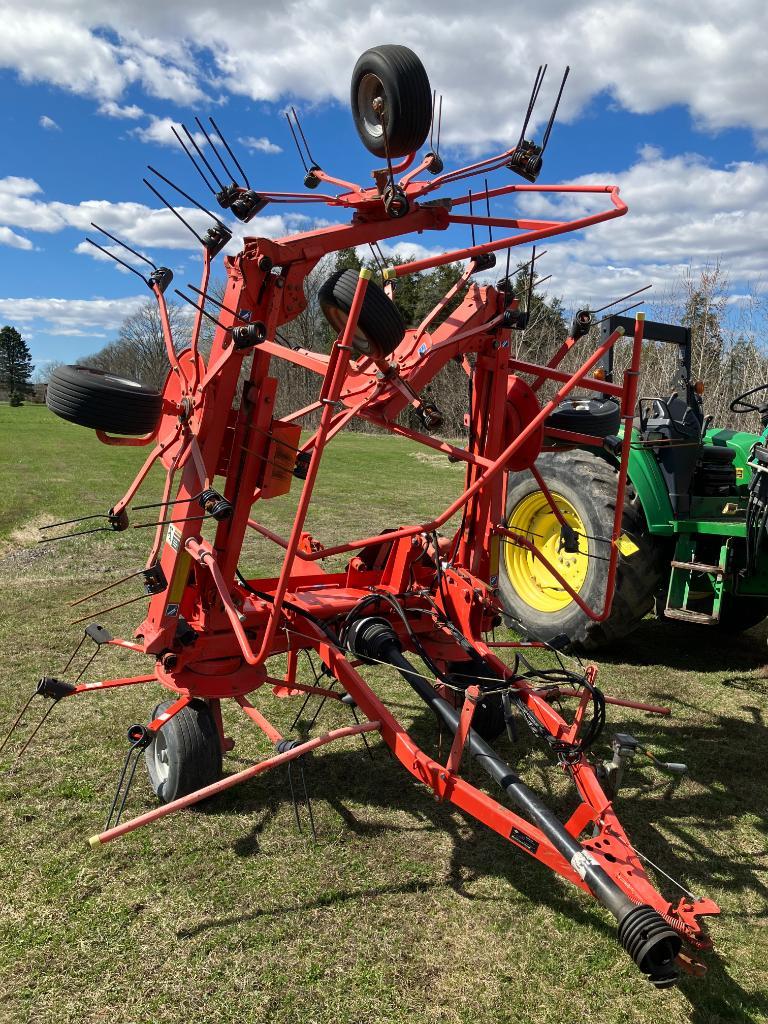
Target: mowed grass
column 403, row 910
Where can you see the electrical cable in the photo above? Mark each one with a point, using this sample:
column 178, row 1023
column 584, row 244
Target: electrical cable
column 290, row 606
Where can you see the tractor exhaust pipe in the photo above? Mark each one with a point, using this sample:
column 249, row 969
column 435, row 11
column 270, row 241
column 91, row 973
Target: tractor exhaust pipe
column 643, row 933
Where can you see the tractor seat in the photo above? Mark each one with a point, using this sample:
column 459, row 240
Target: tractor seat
column 717, row 453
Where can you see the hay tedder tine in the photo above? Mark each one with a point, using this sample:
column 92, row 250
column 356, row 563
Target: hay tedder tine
column 231, row 780
column 408, row 590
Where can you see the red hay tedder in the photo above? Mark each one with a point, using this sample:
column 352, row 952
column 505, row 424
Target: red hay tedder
column 409, row 591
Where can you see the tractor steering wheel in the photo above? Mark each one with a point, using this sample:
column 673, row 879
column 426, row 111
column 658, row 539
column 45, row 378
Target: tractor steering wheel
column 738, row 405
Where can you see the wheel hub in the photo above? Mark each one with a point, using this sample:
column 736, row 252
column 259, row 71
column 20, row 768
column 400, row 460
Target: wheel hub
column 533, row 519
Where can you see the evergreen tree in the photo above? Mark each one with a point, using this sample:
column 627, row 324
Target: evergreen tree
column 416, row 295
column 15, row 365
column 347, row 259
column 706, row 299
column 547, row 328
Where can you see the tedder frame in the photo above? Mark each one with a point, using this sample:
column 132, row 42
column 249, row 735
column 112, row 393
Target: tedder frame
column 211, row 633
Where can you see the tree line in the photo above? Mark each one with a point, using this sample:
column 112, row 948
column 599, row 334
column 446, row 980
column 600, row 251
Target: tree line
column 728, row 351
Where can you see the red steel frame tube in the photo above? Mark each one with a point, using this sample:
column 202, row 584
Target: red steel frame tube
column 550, row 373
column 492, row 471
column 483, row 471
column 263, row 723
column 486, row 467
column 334, row 379
column 472, row 251
column 231, row 780
column 629, row 399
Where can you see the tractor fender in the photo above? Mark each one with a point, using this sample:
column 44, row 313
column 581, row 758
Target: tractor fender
column 652, row 493
column 646, row 479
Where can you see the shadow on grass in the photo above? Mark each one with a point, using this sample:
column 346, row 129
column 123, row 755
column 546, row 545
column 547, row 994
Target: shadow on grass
column 695, row 820
column 690, row 648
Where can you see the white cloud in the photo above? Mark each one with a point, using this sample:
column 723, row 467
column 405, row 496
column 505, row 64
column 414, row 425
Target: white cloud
column 647, row 54
column 59, row 48
column 48, row 123
column 259, row 145
column 160, row 131
column 8, row 237
column 70, row 317
column 85, row 248
column 68, row 49
column 682, row 212
column 111, row 109
column 144, row 227
column 159, row 77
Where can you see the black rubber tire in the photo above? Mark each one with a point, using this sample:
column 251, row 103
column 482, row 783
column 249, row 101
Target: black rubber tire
column 597, row 417
column 397, row 75
column 739, row 613
column 380, row 327
column 488, row 719
column 103, row 401
column 588, row 482
column 186, row 753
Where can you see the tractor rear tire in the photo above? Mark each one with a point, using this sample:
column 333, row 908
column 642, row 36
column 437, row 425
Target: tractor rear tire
column 103, row 401
column 185, row 754
column 584, row 486
column 396, row 76
column 380, row 326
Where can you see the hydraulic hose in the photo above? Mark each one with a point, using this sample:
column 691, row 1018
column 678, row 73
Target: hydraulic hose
column 649, row 940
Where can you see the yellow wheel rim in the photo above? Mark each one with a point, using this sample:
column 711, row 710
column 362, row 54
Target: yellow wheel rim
column 536, row 522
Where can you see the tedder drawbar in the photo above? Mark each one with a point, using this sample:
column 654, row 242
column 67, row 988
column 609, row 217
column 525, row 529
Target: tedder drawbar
column 211, row 632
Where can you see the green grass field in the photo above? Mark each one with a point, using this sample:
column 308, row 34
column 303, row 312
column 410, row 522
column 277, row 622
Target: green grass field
column 403, row 910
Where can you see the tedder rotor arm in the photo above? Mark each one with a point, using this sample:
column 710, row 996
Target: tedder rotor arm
column 211, row 631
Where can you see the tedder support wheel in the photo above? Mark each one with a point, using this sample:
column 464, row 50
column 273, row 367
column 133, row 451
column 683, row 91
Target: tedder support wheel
column 103, row 401
column 598, row 417
column 393, row 79
column 584, row 488
column 380, row 327
column 185, row 755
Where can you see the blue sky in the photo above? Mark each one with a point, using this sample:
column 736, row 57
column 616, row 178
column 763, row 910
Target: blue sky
column 666, row 104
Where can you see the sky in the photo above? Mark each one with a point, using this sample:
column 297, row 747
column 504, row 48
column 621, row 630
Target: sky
column 667, row 101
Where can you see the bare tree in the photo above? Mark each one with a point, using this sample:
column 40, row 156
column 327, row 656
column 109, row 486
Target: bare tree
column 139, row 352
column 729, row 352
column 44, row 370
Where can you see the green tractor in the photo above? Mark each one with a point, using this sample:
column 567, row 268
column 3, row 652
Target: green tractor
column 694, row 522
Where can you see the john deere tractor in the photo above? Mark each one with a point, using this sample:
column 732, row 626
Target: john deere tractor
column 695, row 516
